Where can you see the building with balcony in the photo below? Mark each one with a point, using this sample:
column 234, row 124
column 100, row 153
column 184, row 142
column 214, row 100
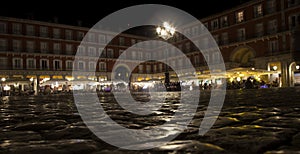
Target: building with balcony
column 257, row 35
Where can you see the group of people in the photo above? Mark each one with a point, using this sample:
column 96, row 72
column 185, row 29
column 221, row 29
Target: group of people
column 251, row 83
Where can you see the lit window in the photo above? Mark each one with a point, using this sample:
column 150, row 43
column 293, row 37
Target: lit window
column 258, row 10
column 239, row 16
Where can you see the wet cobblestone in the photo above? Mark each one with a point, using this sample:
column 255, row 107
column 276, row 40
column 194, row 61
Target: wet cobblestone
column 251, row 121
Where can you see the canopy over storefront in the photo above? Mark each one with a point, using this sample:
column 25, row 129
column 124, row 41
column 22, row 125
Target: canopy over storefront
column 241, row 71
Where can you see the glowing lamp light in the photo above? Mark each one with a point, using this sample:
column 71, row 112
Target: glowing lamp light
column 297, row 67
column 166, row 31
column 275, row 68
column 3, row 79
column 6, row 88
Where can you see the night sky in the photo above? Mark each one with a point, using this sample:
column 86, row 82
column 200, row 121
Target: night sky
column 89, row 12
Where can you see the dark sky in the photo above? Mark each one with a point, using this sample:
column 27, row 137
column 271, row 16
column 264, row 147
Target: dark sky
column 68, row 12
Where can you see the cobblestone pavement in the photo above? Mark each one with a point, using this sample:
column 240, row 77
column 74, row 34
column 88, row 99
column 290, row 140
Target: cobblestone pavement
column 251, row 121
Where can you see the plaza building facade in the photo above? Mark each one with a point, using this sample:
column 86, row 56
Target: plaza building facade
column 258, row 38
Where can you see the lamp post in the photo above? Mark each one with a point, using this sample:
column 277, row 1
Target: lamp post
column 166, row 31
column 2, row 88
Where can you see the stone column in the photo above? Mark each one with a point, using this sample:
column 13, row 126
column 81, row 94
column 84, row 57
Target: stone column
column 284, row 74
column 37, row 83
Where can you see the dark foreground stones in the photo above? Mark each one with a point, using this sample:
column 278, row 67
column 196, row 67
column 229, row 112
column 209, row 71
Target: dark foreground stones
column 251, row 121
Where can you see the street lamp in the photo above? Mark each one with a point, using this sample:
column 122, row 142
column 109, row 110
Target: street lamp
column 2, row 88
column 166, row 31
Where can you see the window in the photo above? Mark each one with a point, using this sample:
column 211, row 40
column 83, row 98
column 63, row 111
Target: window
column 3, row 28
column 216, row 57
column 81, row 50
column 216, row 37
column 16, row 28
column 121, row 52
column 294, row 21
column 44, row 64
column 187, row 47
column 57, row 64
column 30, row 63
column 215, row 24
column 241, row 34
column 154, row 68
column 69, row 65
column 196, row 59
column 101, row 38
column 110, row 53
column 271, row 6
column 16, row 45
column 225, row 38
column 140, row 68
column 3, row 63
column 187, row 32
column 121, row 41
column 3, row 44
column 56, row 33
column 205, row 25
column 258, row 10
column 273, row 46
column 43, row 31
column 69, row 49
column 30, row 30
column 81, row 65
column 92, row 38
column 102, row 66
column 224, row 21
column 195, row 30
column 30, row 46
column 259, row 29
column 239, row 17
column 272, row 26
column 160, row 67
column 109, row 38
column 17, row 63
column 92, row 51
column 44, row 47
column 133, row 41
column 206, row 58
column 148, row 68
column 69, row 34
column 139, row 55
column 57, row 48
column 293, row 3
column 92, row 66
column 80, row 36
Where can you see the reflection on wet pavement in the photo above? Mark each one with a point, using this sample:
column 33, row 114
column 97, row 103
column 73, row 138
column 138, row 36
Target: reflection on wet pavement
column 251, row 121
